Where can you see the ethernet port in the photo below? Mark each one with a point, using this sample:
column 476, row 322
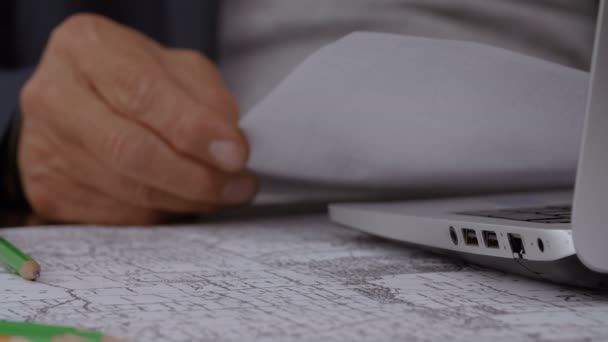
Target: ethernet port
column 490, row 239
column 517, row 244
column 470, row 237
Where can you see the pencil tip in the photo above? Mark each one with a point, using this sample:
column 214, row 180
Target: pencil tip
column 30, row 270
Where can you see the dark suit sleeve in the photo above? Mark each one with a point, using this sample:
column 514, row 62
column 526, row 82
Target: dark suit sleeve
column 11, row 82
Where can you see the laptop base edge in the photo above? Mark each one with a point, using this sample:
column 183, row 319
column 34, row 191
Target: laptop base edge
column 565, row 271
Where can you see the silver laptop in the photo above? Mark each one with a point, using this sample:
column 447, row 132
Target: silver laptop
column 556, row 236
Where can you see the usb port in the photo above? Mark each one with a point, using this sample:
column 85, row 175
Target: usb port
column 517, row 244
column 490, row 239
column 470, row 237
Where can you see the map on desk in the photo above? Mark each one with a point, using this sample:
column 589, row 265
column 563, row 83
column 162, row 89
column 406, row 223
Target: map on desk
column 297, row 278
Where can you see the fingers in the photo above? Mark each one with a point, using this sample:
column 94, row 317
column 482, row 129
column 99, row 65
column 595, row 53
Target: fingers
column 57, row 198
column 133, row 81
column 136, row 153
column 82, row 204
column 119, row 130
column 86, row 170
column 130, row 149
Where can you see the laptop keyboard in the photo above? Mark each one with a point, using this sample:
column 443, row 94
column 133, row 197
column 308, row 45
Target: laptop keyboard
column 549, row 214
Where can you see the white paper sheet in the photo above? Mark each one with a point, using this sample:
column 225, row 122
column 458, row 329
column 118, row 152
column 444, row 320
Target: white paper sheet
column 287, row 279
column 389, row 111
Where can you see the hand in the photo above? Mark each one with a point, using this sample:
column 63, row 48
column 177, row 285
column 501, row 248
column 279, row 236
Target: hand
column 120, row 130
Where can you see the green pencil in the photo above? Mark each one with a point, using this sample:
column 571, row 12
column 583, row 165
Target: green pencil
column 32, row 332
column 18, row 261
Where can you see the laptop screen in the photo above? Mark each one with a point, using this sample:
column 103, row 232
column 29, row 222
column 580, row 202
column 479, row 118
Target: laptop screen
column 589, row 217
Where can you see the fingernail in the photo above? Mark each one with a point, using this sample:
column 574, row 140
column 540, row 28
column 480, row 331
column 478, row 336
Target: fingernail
column 239, row 190
column 227, row 154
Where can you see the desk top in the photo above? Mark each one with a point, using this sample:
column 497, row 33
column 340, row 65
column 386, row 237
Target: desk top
column 289, row 279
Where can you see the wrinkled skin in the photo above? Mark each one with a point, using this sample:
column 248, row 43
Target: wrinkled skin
column 118, row 129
